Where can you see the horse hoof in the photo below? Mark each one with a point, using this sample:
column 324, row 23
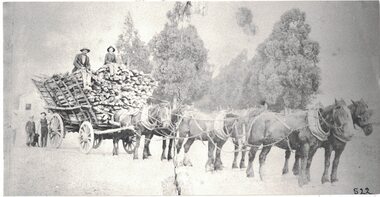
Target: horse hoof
column 135, row 158
column 334, row 180
column 285, row 171
column 234, row 165
column 170, row 158
column 296, row 172
column 218, row 167
column 250, row 174
column 242, row 165
column 163, row 158
column 325, row 179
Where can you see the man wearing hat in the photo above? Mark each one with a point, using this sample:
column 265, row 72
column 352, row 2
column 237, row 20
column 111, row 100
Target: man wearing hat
column 110, row 60
column 82, row 63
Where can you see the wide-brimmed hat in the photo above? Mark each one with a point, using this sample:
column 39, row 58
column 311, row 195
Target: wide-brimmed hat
column 111, row 47
column 88, row 50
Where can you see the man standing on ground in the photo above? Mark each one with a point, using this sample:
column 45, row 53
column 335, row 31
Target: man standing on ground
column 82, row 63
column 44, row 129
column 30, row 129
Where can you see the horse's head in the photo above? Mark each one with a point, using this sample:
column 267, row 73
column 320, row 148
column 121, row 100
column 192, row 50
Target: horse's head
column 342, row 119
column 361, row 115
column 179, row 112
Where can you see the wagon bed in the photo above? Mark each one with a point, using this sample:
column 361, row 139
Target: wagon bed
column 73, row 112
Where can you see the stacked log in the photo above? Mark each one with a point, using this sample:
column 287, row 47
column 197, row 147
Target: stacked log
column 125, row 89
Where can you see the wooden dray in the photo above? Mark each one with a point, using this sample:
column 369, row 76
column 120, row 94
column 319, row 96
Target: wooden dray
column 73, row 112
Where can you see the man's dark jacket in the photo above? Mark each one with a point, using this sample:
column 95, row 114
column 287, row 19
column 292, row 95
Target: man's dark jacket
column 78, row 64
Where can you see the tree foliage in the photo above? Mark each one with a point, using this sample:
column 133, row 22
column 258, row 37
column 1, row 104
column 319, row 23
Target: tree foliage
column 227, row 88
column 180, row 58
column 285, row 67
column 244, row 19
column 134, row 52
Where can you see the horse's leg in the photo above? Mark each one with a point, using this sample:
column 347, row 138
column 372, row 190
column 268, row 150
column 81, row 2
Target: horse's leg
column 236, row 154
column 210, row 161
column 334, row 171
column 296, row 165
column 285, row 169
column 147, row 140
column 242, row 161
column 136, row 152
column 262, row 158
column 114, row 140
column 186, row 147
column 218, row 161
column 117, row 145
column 305, row 147
column 163, row 149
column 251, row 158
column 325, row 177
column 170, row 149
column 178, row 146
column 312, row 151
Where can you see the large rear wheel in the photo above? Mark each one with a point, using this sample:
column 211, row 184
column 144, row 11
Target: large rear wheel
column 86, row 137
column 129, row 144
column 56, row 131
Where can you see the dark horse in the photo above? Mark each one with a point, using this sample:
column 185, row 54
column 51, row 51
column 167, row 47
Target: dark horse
column 270, row 128
column 214, row 127
column 360, row 116
column 158, row 123
column 240, row 133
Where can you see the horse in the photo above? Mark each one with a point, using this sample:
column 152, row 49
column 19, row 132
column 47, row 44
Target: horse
column 360, row 116
column 214, row 127
column 269, row 129
column 124, row 118
column 240, row 134
column 158, row 123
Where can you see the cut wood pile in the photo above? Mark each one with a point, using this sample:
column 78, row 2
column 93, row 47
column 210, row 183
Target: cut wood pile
column 125, row 89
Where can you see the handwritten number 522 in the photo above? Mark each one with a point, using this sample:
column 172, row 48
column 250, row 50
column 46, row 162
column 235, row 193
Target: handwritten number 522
column 362, row 191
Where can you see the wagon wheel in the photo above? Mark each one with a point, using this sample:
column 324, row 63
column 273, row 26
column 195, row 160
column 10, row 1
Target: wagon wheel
column 98, row 140
column 129, row 144
column 56, row 131
column 86, row 137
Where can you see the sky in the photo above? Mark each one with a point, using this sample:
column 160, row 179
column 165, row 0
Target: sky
column 43, row 38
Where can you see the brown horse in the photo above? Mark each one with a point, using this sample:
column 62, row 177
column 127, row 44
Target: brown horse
column 202, row 126
column 159, row 123
column 240, row 133
column 269, row 129
column 360, row 116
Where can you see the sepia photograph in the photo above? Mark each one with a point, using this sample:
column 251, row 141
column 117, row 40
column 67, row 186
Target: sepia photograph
column 191, row 98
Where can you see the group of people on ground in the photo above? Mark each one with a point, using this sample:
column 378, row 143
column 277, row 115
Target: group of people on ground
column 82, row 63
column 32, row 136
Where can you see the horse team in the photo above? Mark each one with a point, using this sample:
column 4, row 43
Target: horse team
column 252, row 130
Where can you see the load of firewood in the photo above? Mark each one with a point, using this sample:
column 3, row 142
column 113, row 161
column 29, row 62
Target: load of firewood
column 125, row 89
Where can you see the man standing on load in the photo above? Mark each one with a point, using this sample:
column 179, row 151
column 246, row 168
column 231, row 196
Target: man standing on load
column 82, row 63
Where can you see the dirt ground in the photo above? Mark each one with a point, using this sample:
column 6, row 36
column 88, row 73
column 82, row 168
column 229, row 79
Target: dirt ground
column 66, row 171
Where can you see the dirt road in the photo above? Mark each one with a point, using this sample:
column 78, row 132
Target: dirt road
column 66, row 171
